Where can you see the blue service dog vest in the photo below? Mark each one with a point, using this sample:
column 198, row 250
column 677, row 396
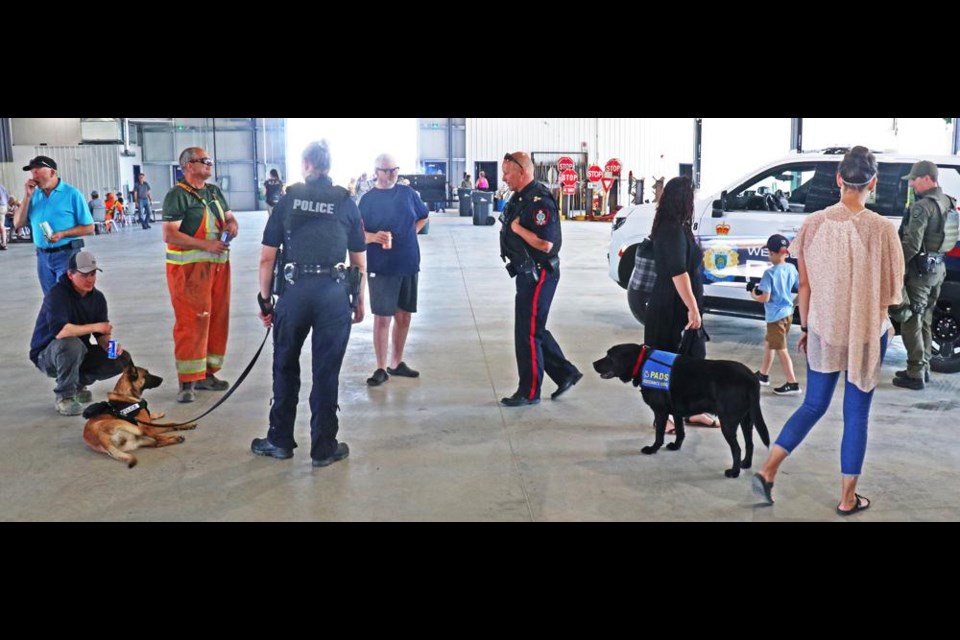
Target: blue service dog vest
column 656, row 370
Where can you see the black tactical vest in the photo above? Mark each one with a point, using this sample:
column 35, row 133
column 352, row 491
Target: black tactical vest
column 314, row 230
column 513, row 246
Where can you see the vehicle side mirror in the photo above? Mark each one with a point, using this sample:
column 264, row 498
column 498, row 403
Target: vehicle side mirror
column 719, row 206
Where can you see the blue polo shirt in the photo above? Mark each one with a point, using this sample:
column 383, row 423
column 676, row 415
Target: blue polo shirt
column 63, row 209
column 396, row 210
column 63, row 305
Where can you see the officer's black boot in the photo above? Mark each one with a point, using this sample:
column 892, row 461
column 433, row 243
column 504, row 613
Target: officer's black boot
column 904, row 374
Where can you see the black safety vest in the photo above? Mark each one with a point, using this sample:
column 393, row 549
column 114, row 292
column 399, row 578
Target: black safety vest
column 512, row 246
column 124, row 410
column 314, row 230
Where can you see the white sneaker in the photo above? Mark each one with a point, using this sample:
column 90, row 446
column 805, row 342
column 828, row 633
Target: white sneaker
column 69, row 407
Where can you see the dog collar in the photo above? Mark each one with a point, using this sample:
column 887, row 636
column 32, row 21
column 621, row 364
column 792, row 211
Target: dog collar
column 636, row 367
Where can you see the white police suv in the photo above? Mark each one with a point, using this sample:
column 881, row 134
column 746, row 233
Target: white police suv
column 732, row 228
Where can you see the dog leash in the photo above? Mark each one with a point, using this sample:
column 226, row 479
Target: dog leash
column 240, row 380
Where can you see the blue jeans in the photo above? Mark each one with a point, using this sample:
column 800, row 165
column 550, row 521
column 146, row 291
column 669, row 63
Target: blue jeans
column 76, row 364
column 856, row 411
column 143, row 209
column 50, row 266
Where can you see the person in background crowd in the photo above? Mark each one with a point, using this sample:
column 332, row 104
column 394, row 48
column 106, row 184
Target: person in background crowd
column 142, row 200
column 273, row 190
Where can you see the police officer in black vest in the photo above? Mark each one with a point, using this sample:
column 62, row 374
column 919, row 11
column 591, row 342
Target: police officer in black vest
column 530, row 241
column 317, row 224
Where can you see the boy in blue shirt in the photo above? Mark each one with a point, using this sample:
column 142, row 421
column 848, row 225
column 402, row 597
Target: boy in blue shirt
column 775, row 291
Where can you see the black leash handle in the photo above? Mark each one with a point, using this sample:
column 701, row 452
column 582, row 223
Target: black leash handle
column 242, row 377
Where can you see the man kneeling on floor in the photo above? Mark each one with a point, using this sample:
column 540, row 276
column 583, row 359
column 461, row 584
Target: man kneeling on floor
column 72, row 310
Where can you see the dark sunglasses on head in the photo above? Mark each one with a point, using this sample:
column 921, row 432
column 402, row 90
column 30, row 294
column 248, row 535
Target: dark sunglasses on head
column 206, row 161
column 513, row 160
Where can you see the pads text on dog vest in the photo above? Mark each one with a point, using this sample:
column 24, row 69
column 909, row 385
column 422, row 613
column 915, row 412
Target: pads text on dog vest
column 656, row 370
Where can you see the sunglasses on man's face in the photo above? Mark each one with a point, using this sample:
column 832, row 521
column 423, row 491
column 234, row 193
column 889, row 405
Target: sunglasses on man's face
column 388, row 169
column 206, row 161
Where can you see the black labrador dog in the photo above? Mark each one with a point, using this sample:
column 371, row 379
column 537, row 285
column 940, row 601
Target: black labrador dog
column 726, row 388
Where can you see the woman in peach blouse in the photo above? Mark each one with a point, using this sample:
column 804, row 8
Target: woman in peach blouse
column 851, row 270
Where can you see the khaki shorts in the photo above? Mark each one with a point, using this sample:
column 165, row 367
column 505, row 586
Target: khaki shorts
column 777, row 333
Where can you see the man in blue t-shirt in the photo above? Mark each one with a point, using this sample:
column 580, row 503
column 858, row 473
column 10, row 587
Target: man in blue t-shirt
column 392, row 215
column 72, row 310
column 775, row 291
column 65, row 212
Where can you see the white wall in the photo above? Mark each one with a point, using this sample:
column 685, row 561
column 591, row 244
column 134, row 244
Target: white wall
column 733, row 147
column 646, row 146
column 354, row 144
column 50, row 131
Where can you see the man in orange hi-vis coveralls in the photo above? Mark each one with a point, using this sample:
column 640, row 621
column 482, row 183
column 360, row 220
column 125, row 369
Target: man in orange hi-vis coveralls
column 195, row 215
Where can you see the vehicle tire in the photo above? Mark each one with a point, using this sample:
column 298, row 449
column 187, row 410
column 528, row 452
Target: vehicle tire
column 637, row 301
column 625, row 270
column 946, row 334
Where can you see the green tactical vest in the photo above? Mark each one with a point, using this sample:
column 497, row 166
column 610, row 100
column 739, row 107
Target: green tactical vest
column 943, row 237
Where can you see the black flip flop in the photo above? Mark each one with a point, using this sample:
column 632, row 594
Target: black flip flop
column 762, row 488
column 857, row 507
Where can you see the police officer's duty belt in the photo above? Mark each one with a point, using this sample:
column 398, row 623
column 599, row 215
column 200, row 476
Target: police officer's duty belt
column 315, row 270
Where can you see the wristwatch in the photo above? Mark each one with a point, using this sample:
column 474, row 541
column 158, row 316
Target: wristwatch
column 803, row 328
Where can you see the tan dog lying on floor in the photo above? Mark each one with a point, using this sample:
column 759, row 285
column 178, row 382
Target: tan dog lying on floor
column 116, row 426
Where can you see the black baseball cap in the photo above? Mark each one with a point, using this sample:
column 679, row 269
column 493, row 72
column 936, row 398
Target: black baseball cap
column 41, row 161
column 777, row 243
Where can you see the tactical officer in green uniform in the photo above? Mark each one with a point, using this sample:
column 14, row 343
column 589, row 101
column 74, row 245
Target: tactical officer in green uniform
column 927, row 232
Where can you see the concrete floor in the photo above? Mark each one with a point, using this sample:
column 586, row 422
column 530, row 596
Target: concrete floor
column 441, row 447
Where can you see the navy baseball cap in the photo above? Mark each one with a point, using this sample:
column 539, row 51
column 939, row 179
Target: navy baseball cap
column 41, row 161
column 777, row 243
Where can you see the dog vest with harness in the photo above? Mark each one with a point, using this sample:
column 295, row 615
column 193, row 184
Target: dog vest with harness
column 655, row 369
column 123, row 410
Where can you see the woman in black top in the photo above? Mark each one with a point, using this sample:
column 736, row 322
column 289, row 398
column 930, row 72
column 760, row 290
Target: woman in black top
column 677, row 296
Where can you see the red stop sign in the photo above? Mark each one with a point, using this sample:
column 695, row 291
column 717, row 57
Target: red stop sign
column 568, row 177
column 614, row 166
column 565, row 163
column 594, row 173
